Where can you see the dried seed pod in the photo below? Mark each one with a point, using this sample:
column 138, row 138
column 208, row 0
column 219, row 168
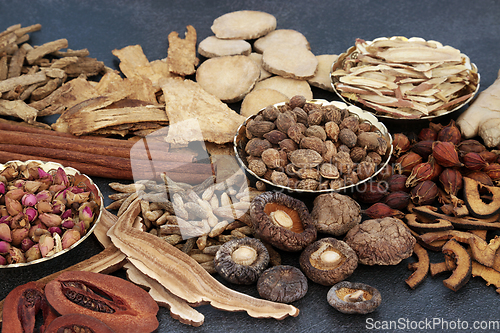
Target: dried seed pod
column 470, row 145
column 332, row 113
column 279, row 178
column 297, row 101
column 382, row 147
column 374, row 157
column 288, row 145
column 329, row 171
column 482, row 177
column 451, row 180
column 315, row 117
column 445, row 154
column 308, row 184
column 406, row 162
column 427, row 134
column 450, row 133
column 400, row 144
column 256, row 146
column 258, row 167
column 369, row 140
column 424, row 193
column 305, row 158
column 474, row 161
column 350, row 122
column 273, row 158
column 259, row 128
column 489, row 156
column 296, row 132
column 331, row 151
column 423, row 148
column 275, row 136
column 300, row 115
column 493, row 171
column 419, row 173
column 348, row 137
column 270, row 113
column 357, row 154
column 332, row 130
column 284, row 121
column 371, row 192
column 313, row 143
column 397, row 200
column 397, row 182
column 380, row 210
column 316, row 131
column 365, row 170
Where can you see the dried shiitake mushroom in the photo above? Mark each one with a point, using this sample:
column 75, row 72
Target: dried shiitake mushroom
column 384, row 241
column 241, row 261
column 283, row 283
column 282, row 221
column 335, row 213
column 328, row 261
column 351, row 297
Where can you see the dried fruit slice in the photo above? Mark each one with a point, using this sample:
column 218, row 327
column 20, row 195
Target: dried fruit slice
column 462, row 273
column 77, row 323
column 283, row 37
column 322, row 78
column 258, row 99
column 215, row 47
column 421, row 268
column 243, row 24
column 291, row 61
column 412, row 220
column 229, row 78
column 472, row 197
column 289, row 87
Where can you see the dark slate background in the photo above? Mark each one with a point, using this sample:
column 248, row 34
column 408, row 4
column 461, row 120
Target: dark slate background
column 331, row 28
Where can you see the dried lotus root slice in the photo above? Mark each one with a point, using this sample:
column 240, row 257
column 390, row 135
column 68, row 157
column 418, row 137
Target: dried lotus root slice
column 244, row 24
column 289, row 87
column 229, row 78
column 259, row 99
column 212, row 47
column 290, row 61
column 322, row 78
column 257, row 57
column 282, row 37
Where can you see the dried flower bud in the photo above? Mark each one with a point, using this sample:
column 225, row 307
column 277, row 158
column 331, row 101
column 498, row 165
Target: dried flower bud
column 18, row 235
column 400, row 144
column 86, row 215
column 4, row 247
column 450, row 133
column 68, row 223
column 69, row 238
column 445, row 154
column 44, row 175
column 33, row 253
column 15, row 256
column 46, row 244
column 50, row 219
column 452, row 180
column 26, row 244
column 44, row 195
column 55, row 230
column 61, row 177
column 424, row 193
column 5, row 232
column 28, row 199
column 2, row 188
column 474, row 161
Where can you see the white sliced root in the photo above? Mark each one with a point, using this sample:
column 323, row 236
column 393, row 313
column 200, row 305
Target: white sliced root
column 258, row 99
column 244, row 24
column 290, row 61
column 288, row 87
column 229, row 78
column 322, row 78
column 257, row 57
column 282, row 37
column 215, row 47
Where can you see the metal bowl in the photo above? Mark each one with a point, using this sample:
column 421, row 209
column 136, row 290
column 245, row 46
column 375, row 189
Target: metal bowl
column 241, row 139
column 90, row 186
column 352, row 54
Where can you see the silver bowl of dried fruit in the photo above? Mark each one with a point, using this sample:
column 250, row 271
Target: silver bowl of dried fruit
column 404, row 78
column 313, row 146
column 46, row 210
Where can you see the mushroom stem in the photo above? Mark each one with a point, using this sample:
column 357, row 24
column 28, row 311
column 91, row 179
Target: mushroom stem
column 282, row 218
column 357, row 296
column 244, row 255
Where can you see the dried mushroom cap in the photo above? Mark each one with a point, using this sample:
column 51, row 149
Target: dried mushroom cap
column 384, row 241
column 241, row 261
column 284, row 284
column 282, row 221
column 328, row 261
column 350, row 297
column 335, row 213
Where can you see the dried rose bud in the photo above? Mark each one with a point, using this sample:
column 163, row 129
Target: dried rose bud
column 55, row 188
column 424, row 193
column 33, row 253
column 19, row 183
column 31, row 186
column 77, row 197
column 80, row 227
column 31, row 213
column 50, row 220
column 450, row 133
column 61, row 177
column 86, row 215
column 18, row 235
column 3, row 261
column 44, row 175
column 26, row 244
column 44, row 207
column 15, row 256
column 28, row 199
column 419, row 173
column 70, row 237
column 452, row 180
column 474, row 161
column 5, row 232
column 6, row 219
column 44, row 195
column 14, row 207
column 2, row 188
column 68, row 223
column 58, row 207
column 4, row 247
column 46, row 244
column 55, row 230
column 445, row 154
column 67, row 214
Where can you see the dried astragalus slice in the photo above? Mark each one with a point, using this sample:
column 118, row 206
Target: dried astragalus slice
column 322, row 78
column 259, row 99
column 244, row 24
column 257, row 57
column 289, row 87
column 229, row 78
column 281, row 36
column 290, row 61
column 212, row 47
column 182, row 52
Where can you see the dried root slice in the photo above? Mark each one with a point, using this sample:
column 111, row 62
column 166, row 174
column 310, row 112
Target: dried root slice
column 215, row 47
column 292, row 61
column 257, row 57
column 322, row 78
column 181, row 57
column 244, row 24
column 229, row 78
column 413, row 221
column 490, row 275
column 472, row 197
column 288, row 87
column 460, row 222
column 182, row 275
column 438, row 268
column 421, row 267
column 258, row 99
column 282, row 37
column 462, row 273
column 179, row 309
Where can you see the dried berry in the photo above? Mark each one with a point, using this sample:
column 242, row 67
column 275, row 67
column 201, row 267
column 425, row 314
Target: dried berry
column 348, row 137
column 451, row 180
column 380, row 210
column 424, row 193
column 400, row 144
column 273, row 158
column 371, row 192
column 397, row 182
column 419, row 173
column 406, row 162
column 305, row 158
column 474, row 161
column 493, row 171
column 470, row 145
column 450, row 133
column 332, row 130
column 423, row 148
column 256, row 146
column 259, row 128
column 445, row 154
column 397, row 200
column 427, row 134
column 279, row 178
column 368, row 140
column 300, row 115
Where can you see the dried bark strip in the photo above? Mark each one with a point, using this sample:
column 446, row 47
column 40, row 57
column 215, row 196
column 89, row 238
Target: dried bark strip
column 42, row 50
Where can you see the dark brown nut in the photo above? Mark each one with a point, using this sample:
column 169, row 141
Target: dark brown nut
column 296, row 132
column 241, row 261
column 350, row 122
column 273, row 158
column 308, row 173
column 489, row 156
column 308, row 184
column 270, row 113
column 348, row 297
column 282, row 283
column 343, row 148
column 124, row 307
column 348, row 137
column 357, row 154
column 314, row 143
column 279, row 178
column 259, row 128
column 256, row 146
column 397, row 200
column 258, row 167
column 385, row 241
column 375, row 157
column 332, row 130
column 332, row 113
column 335, row 213
column 300, row 114
column 288, row 145
column 275, row 136
column 328, row 261
column 315, row 118
column 368, row 140
column 371, row 192
column 282, row 221
column 77, row 323
column 351, row 178
column 305, row 158
column 284, row 121
column 383, row 145
column 317, row 131
column 365, row 170
column 329, row 171
column 297, row 101
column 424, row 193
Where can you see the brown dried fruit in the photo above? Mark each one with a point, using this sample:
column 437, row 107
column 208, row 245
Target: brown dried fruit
column 493, row 171
column 332, row 130
column 124, row 307
column 329, row 171
column 385, row 173
column 357, row 154
column 296, row 132
column 380, row 210
column 365, row 170
column 332, row 113
column 371, row 192
column 420, row 268
column 316, row 131
column 427, row 134
column 481, row 177
column 423, row 148
column 406, row 162
column 348, row 137
column 451, row 180
column 305, row 158
column 297, row 101
column 400, row 144
column 397, row 182
column 300, row 115
column 450, row 133
column 258, row 167
column 419, row 173
column 424, row 193
column 275, row 136
column 369, row 140
column 350, row 122
column 308, row 173
column 313, row 143
column 273, row 158
column 256, row 146
column 331, row 151
column 470, row 145
column 474, row 161
column 279, row 178
column 270, row 113
column 383, row 145
column 259, row 128
column 284, row 121
column 315, row 117
column 489, row 156
column 445, row 154
column 374, row 157
column 462, row 273
column 308, row 184
column 288, row 145
column 397, row 200
column 77, row 323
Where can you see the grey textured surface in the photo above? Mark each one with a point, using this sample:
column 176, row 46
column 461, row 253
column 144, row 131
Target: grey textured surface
column 330, row 27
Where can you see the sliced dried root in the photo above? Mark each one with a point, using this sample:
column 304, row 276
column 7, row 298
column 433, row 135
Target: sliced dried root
column 421, row 267
column 322, row 77
column 212, row 47
column 291, row 61
column 281, row 37
column 243, row 24
column 463, row 270
column 288, row 87
column 257, row 57
column 259, row 99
